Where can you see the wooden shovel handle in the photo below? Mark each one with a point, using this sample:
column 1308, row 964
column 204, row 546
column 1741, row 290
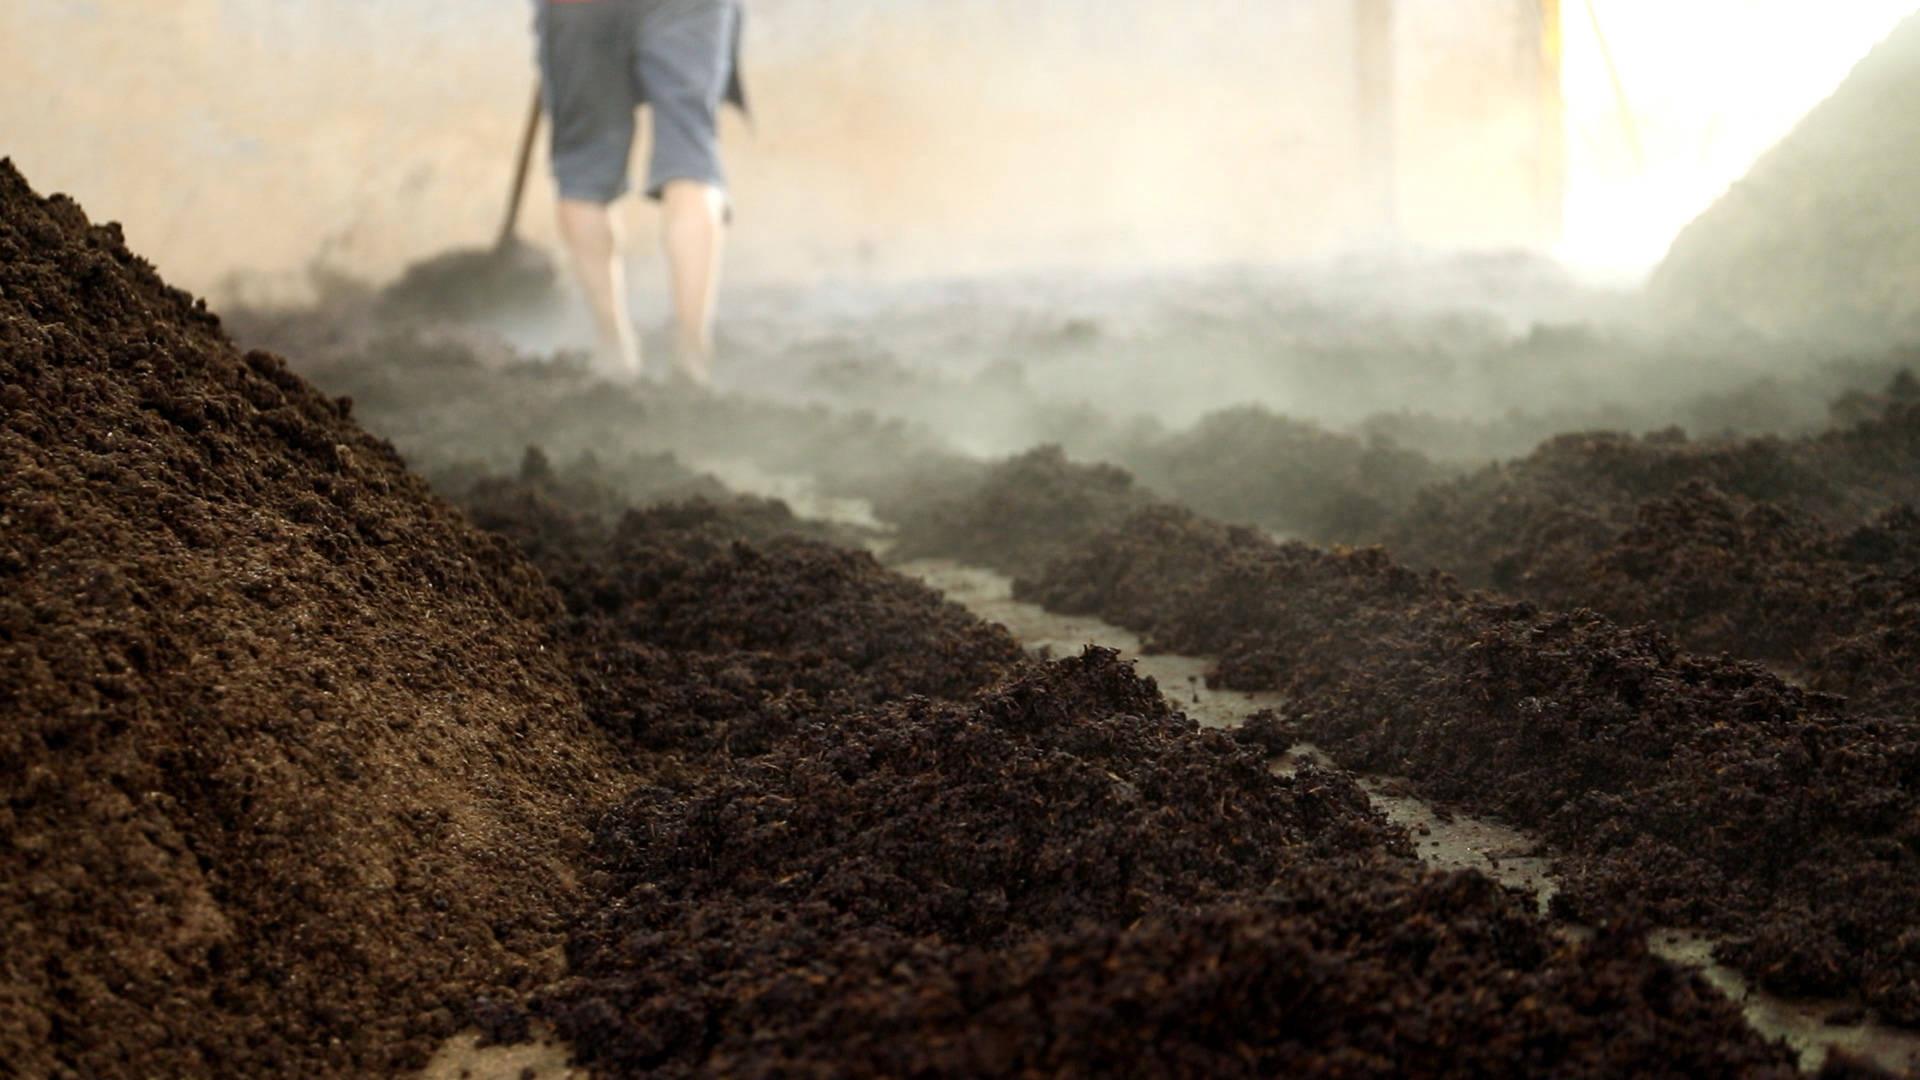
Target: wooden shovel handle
column 520, row 169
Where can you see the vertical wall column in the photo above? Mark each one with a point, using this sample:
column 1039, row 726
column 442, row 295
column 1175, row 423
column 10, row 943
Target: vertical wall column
column 1375, row 126
column 1550, row 168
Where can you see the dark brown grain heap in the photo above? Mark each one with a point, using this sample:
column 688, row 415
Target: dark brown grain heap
column 1798, row 553
column 860, row 863
column 1021, row 514
column 1061, row 877
column 1702, row 792
column 1530, row 527
column 1189, row 584
column 714, row 625
column 1760, row 581
column 287, row 770
column 1250, row 465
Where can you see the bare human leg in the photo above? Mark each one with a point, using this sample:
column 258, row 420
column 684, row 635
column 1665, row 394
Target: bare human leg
column 592, row 240
column 693, row 229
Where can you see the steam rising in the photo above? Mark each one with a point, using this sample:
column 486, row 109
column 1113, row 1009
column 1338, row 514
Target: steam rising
column 244, row 142
column 1004, row 211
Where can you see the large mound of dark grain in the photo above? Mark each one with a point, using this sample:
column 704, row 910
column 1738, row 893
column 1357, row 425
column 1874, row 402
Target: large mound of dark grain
column 1021, row 514
column 1250, row 465
column 589, row 486
column 1056, row 873
column 1702, row 792
column 717, row 624
column 1796, row 552
column 286, row 774
column 1530, row 526
column 1761, row 581
column 1062, row 877
column 1274, row 614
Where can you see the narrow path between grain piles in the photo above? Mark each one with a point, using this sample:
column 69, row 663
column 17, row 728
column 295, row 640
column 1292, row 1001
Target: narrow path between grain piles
column 1443, row 840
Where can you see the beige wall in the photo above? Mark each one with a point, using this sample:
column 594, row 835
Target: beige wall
column 1471, row 89
column 243, row 140
column 253, row 138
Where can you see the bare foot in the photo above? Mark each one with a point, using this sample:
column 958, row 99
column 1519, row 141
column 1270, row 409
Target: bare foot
column 619, row 360
column 693, row 364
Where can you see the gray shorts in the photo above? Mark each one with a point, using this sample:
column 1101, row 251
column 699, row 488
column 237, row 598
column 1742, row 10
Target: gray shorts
column 601, row 59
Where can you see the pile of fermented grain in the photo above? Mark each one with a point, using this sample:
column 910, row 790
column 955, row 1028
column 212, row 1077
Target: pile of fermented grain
column 861, row 855
column 287, row 775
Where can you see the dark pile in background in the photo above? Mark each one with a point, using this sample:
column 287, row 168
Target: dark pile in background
column 1698, row 791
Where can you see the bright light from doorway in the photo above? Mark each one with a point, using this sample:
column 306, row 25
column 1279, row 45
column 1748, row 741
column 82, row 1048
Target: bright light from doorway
column 1709, row 86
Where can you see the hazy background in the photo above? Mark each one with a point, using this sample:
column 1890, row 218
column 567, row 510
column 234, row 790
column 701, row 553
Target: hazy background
column 243, row 141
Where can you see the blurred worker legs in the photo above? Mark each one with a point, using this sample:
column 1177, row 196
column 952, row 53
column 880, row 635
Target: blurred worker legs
column 600, row 60
column 593, row 247
column 693, row 231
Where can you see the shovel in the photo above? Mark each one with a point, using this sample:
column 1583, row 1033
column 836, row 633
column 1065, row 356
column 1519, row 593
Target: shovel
column 510, row 276
column 508, row 240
